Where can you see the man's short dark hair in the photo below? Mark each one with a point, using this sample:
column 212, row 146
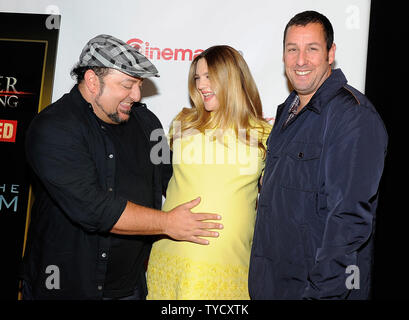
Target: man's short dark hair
column 79, row 72
column 306, row 17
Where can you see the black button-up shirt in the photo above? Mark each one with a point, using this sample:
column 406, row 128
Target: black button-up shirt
column 75, row 207
column 133, row 181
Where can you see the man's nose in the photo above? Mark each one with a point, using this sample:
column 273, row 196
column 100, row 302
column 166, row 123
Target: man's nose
column 301, row 58
column 135, row 93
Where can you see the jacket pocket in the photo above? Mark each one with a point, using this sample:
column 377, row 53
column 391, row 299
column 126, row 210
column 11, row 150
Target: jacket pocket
column 303, row 151
column 300, row 167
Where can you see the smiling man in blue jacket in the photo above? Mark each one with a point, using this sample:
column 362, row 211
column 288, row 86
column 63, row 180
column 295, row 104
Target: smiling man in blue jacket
column 315, row 224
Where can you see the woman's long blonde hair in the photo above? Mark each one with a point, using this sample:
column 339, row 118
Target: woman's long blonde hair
column 236, row 91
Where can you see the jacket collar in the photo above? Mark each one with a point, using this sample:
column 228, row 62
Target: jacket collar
column 82, row 105
column 324, row 94
column 327, row 91
column 78, row 96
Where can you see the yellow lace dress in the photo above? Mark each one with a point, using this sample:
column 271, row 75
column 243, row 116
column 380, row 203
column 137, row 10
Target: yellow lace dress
column 225, row 176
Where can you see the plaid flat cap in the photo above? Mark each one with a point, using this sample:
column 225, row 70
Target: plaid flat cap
column 110, row 52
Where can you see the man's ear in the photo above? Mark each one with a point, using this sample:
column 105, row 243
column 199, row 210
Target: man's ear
column 91, row 81
column 331, row 54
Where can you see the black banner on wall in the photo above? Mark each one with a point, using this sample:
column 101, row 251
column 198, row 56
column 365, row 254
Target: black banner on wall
column 28, row 53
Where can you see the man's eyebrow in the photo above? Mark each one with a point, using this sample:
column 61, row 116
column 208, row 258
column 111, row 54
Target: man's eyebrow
column 310, row 44
column 132, row 80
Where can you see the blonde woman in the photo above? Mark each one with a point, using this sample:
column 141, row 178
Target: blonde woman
column 218, row 155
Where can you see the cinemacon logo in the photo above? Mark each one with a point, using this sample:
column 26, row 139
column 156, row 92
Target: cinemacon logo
column 156, row 53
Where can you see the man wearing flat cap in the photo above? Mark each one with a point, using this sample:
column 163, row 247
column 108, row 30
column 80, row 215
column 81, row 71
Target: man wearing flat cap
column 97, row 193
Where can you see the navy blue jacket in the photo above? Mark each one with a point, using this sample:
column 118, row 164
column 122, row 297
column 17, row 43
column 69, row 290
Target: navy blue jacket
column 315, row 223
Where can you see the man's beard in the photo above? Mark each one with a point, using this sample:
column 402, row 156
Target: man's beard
column 113, row 116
